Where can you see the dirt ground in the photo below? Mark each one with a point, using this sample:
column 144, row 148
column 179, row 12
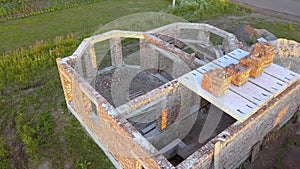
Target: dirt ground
column 281, row 150
column 142, row 83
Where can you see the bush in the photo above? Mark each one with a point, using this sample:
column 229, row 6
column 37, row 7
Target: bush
column 193, row 10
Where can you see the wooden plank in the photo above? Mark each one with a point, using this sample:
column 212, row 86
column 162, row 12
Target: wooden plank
column 238, row 54
column 231, row 103
column 269, row 83
column 253, row 93
column 281, row 73
column 225, row 61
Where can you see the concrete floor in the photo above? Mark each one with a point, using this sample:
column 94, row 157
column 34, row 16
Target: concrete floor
column 291, row 7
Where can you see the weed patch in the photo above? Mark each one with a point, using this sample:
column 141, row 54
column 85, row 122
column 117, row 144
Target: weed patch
column 11, row 9
column 195, row 10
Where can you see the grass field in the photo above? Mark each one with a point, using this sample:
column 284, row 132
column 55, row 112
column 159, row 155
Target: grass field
column 83, row 20
column 35, row 127
column 12, row 9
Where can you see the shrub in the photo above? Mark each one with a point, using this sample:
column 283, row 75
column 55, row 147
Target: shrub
column 193, row 10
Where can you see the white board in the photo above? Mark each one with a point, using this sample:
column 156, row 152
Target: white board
column 225, row 61
column 253, row 93
column 282, row 73
column 231, row 103
column 208, row 67
column 238, row 54
column 243, row 101
column 269, row 83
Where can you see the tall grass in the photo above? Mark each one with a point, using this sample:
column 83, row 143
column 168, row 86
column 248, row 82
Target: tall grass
column 12, row 9
column 195, row 10
column 33, row 113
column 28, row 67
column 82, row 20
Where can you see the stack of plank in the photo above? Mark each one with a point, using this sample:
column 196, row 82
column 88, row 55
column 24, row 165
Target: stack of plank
column 261, row 57
column 216, row 81
column 239, row 74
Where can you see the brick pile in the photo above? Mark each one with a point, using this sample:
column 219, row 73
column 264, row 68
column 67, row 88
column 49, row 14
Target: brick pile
column 261, row 57
column 216, row 82
column 239, row 73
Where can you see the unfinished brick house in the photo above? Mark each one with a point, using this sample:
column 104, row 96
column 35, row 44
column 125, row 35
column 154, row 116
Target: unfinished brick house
column 137, row 95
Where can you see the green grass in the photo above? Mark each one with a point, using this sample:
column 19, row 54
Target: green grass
column 34, row 124
column 286, row 29
column 12, row 9
column 83, row 20
column 281, row 30
column 34, row 115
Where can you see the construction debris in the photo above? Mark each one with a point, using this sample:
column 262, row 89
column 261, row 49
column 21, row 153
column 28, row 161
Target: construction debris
column 287, row 48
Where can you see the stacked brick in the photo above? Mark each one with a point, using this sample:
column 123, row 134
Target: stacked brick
column 167, row 117
column 164, row 118
column 261, row 57
column 239, row 73
column 169, row 114
column 216, row 82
